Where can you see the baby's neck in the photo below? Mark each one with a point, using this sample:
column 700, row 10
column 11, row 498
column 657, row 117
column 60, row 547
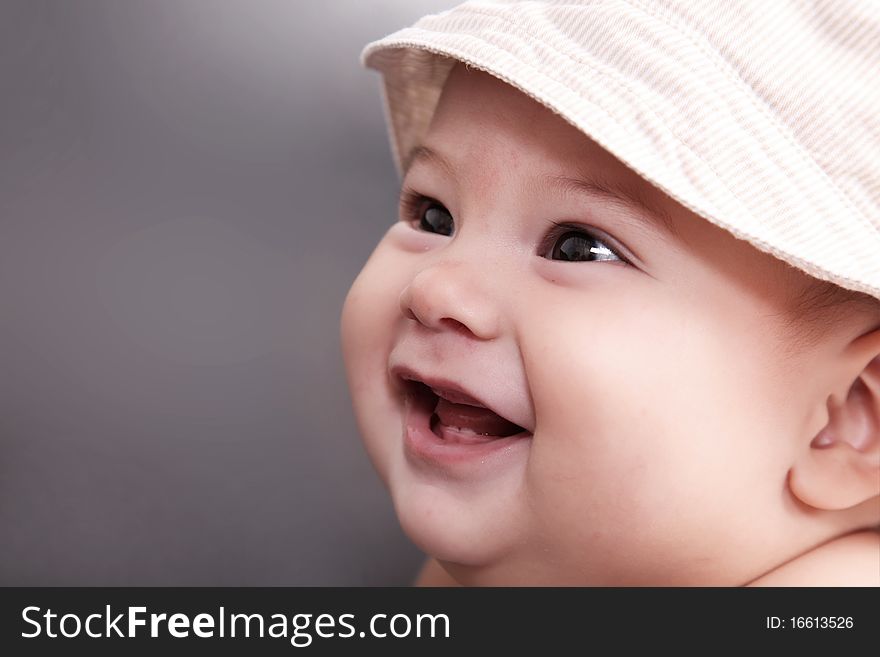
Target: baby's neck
column 850, row 560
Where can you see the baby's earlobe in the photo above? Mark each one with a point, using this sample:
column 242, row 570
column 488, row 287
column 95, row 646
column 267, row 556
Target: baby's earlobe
column 835, row 476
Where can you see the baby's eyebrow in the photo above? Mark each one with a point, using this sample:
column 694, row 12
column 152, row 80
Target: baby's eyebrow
column 615, row 193
column 423, row 153
column 584, row 185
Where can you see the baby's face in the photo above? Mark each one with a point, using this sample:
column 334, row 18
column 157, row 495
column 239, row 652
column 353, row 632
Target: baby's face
column 633, row 349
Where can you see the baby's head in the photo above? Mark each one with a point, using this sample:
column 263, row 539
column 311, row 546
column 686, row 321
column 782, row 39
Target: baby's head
column 565, row 376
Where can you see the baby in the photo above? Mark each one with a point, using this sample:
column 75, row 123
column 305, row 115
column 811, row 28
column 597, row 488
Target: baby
column 567, row 375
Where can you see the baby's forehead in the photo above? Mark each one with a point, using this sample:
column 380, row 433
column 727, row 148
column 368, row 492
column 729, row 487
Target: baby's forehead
column 481, row 104
column 482, row 122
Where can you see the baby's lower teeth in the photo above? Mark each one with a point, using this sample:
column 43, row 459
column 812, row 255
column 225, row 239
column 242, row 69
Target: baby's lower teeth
column 467, row 431
column 464, row 432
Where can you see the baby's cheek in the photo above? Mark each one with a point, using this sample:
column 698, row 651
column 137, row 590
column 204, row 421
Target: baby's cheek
column 369, row 316
column 370, row 313
column 632, row 428
column 589, row 455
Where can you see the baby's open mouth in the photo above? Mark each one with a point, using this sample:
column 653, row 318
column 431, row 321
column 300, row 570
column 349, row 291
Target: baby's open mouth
column 456, row 418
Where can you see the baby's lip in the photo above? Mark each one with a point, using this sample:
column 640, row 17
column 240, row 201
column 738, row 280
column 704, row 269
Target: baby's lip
column 457, row 393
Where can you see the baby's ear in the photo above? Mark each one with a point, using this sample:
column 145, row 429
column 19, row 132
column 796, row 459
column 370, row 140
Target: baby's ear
column 840, row 466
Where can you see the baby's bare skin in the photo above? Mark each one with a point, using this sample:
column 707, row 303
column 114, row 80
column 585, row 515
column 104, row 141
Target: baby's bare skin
column 850, row 560
column 675, row 432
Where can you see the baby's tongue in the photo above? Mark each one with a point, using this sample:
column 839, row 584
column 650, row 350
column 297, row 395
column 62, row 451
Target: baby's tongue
column 479, row 420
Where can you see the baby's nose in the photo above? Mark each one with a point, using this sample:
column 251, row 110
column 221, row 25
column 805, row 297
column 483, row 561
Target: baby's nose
column 450, row 295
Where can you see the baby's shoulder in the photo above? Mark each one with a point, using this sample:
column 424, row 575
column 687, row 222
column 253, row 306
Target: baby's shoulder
column 851, row 560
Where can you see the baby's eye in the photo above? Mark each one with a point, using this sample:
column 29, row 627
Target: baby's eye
column 434, row 218
column 577, row 245
column 426, row 214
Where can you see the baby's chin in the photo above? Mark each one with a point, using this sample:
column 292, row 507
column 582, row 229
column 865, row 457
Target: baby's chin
column 474, row 550
column 472, row 526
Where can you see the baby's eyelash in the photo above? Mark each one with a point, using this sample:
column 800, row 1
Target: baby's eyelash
column 411, row 202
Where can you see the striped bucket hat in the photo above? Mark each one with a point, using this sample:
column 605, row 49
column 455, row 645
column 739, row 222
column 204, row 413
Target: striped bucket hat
column 762, row 117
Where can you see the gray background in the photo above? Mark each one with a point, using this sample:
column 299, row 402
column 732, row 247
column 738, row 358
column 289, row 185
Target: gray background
column 187, row 189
